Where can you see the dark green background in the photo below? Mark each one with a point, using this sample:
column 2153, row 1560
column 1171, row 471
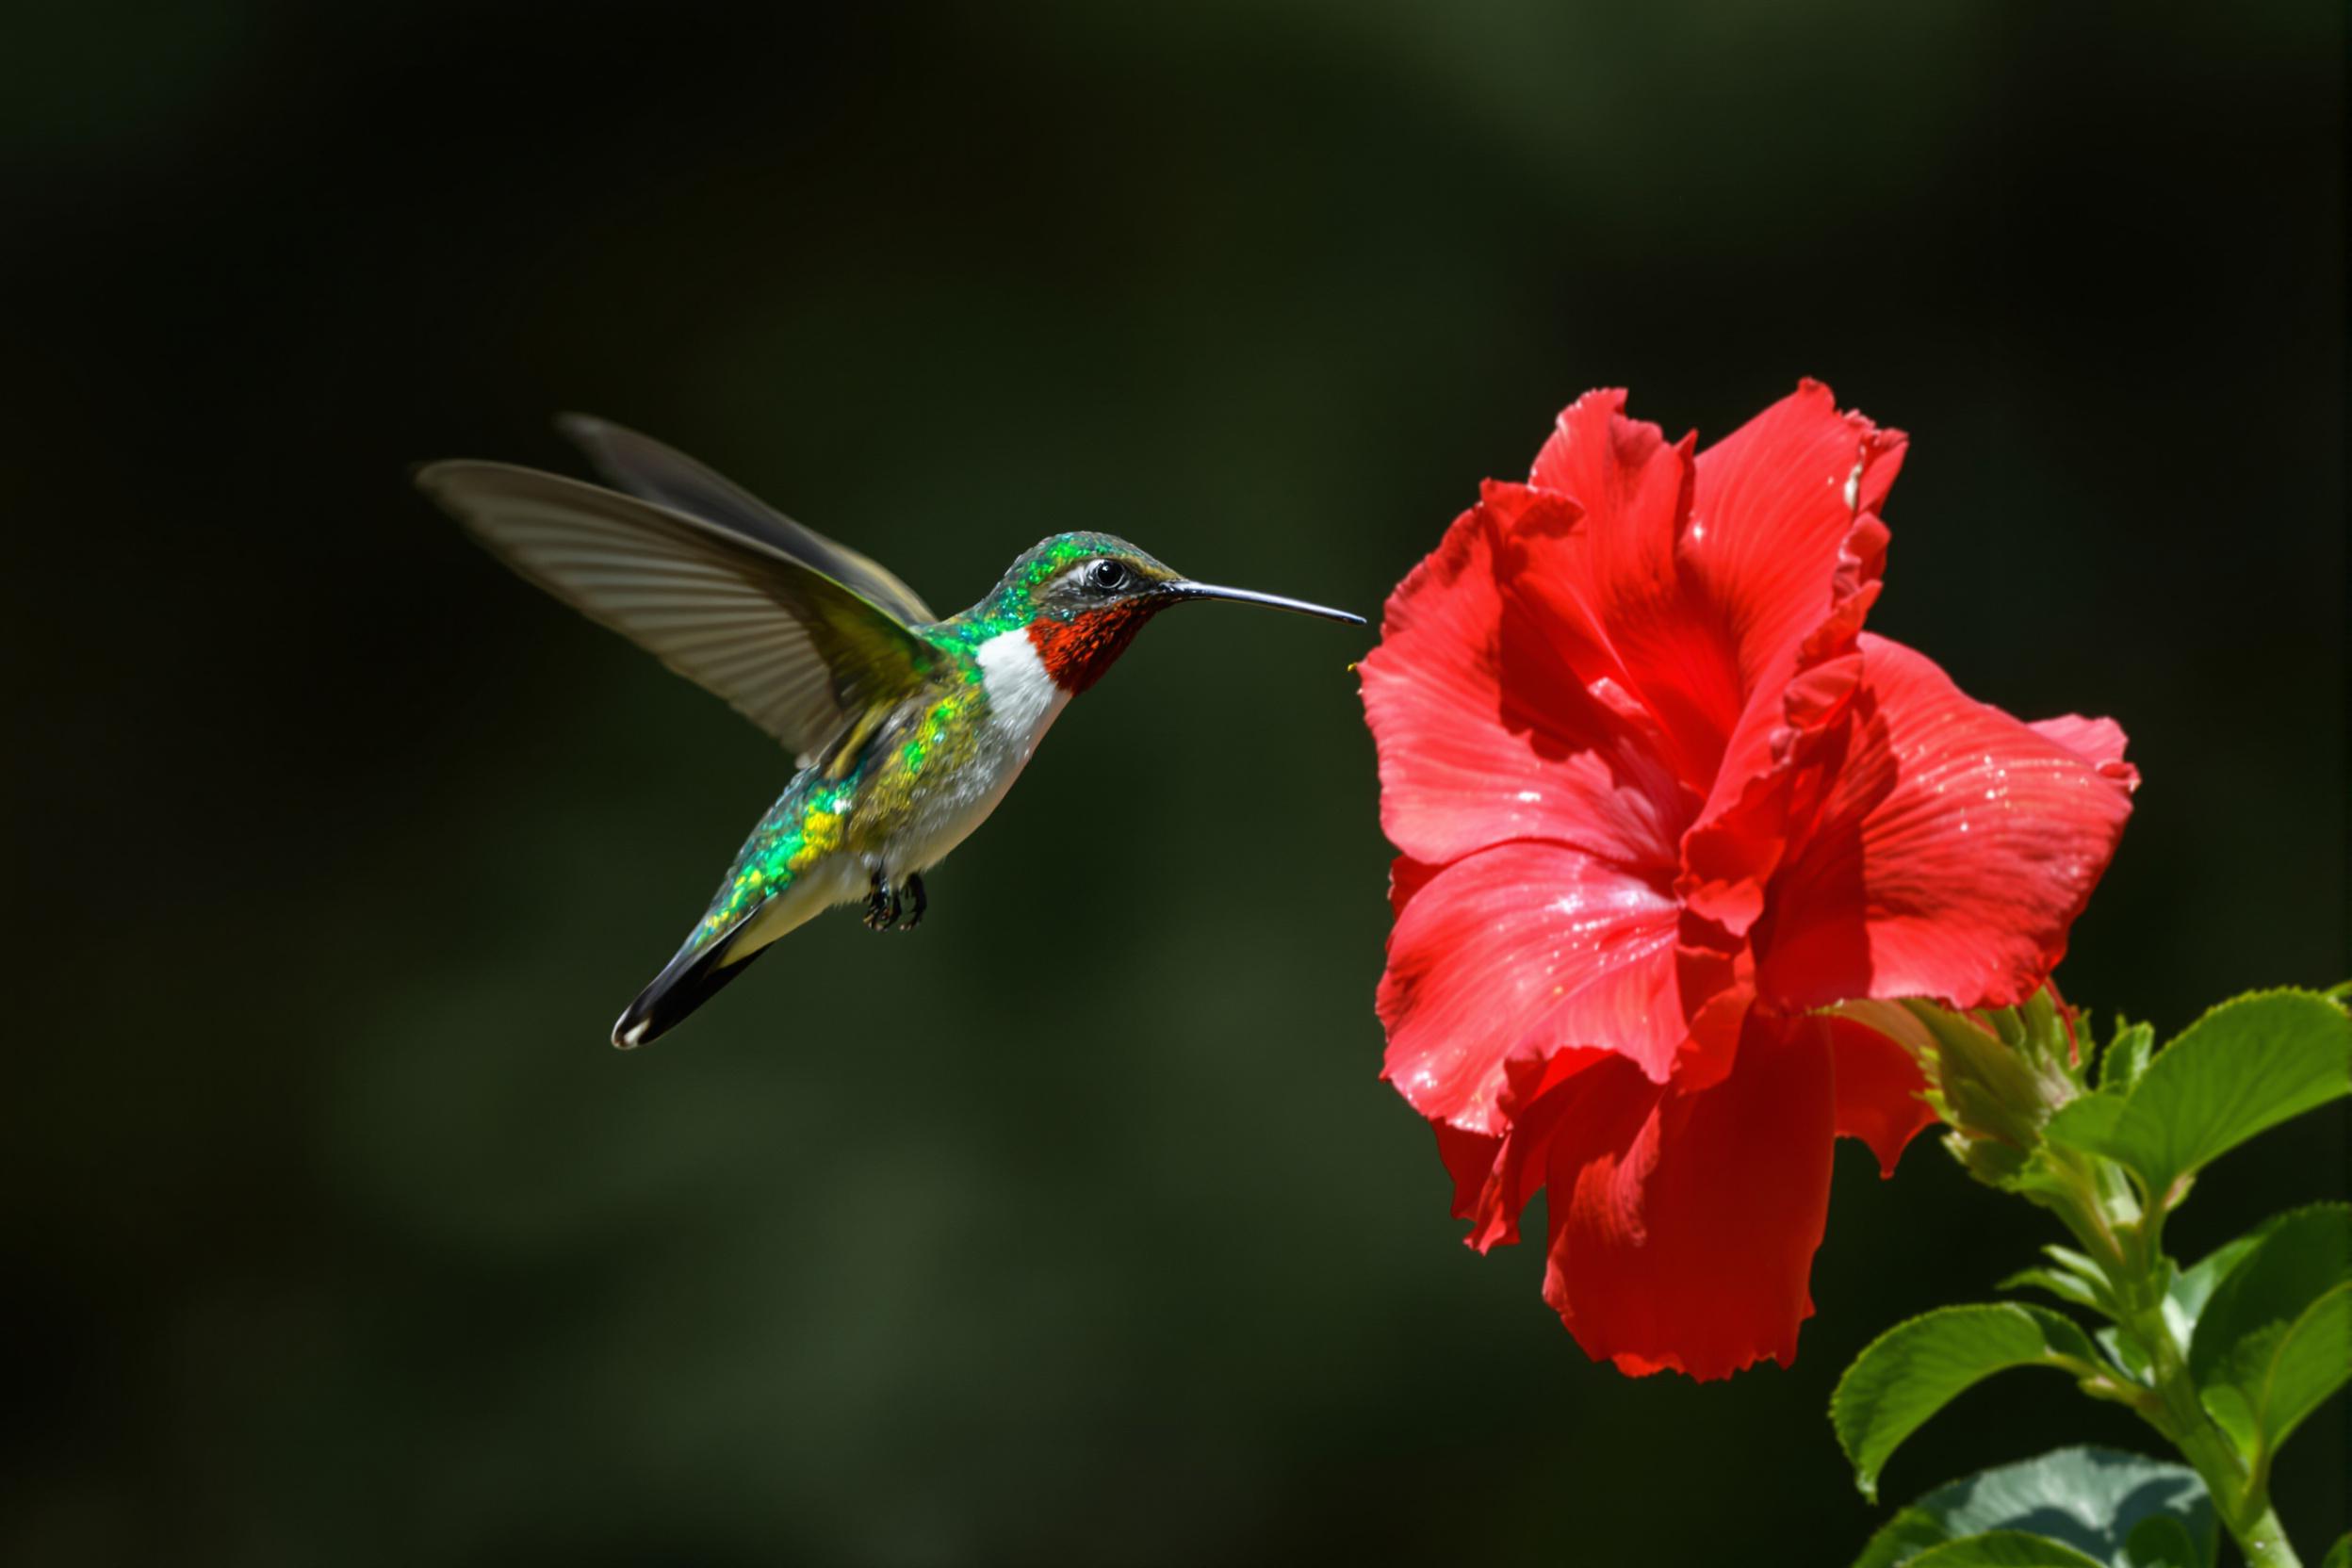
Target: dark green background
column 1076, row 1227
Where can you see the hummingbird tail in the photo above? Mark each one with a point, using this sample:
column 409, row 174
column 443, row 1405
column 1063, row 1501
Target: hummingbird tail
column 691, row 979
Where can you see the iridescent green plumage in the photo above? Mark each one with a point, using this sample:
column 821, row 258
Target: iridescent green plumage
column 878, row 791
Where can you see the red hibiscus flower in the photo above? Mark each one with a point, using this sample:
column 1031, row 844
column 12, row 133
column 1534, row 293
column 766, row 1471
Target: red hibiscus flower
column 1660, row 799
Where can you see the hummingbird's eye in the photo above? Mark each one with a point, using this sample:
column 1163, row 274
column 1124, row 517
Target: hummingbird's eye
column 1107, row 575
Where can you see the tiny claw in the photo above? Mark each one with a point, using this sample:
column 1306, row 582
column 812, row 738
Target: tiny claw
column 882, row 905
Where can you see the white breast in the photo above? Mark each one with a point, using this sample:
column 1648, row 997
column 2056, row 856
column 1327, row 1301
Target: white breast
column 1023, row 699
column 1023, row 702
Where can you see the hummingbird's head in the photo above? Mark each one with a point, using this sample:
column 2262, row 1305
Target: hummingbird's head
column 1083, row 596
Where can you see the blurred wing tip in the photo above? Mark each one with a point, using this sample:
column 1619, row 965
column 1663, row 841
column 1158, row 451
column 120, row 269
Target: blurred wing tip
column 576, row 426
column 443, row 470
column 443, row 478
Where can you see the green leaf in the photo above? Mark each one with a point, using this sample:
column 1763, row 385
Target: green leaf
column 1915, row 1368
column 2065, row 1286
column 2096, row 1502
column 1906, row 1535
column 2194, row 1286
column 2268, row 1275
column 2275, row 1338
column 2126, row 1057
column 2184, row 1302
column 2338, row 1554
column 2074, row 1262
column 2005, row 1549
column 2075, row 1279
column 2273, row 1380
column 2160, row 1541
column 2243, row 1068
column 2125, row 1351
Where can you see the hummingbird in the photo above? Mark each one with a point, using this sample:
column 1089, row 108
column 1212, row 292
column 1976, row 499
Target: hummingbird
column 907, row 728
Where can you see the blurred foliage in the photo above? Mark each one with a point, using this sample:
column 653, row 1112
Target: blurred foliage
column 1076, row 1227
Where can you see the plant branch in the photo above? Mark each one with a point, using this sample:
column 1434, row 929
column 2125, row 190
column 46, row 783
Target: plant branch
column 2239, row 1496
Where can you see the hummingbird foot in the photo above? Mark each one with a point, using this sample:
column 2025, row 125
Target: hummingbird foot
column 882, row 905
column 914, row 891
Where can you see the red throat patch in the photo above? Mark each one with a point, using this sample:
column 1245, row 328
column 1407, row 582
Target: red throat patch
column 1078, row 651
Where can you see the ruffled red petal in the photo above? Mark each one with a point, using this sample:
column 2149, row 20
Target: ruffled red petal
column 1517, row 951
column 1881, row 1090
column 1772, row 534
column 2097, row 742
column 1611, row 590
column 1683, row 1225
column 1470, row 1161
column 1486, row 734
column 1952, row 850
column 1703, row 588
column 1732, row 850
column 1532, row 1107
column 1786, row 539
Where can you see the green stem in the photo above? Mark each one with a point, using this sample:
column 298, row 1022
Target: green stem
column 2133, row 1254
column 2241, row 1498
column 2264, row 1542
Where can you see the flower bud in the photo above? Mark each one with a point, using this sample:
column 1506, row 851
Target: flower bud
column 1995, row 1075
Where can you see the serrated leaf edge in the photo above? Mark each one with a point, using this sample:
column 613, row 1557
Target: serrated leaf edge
column 2086, row 1363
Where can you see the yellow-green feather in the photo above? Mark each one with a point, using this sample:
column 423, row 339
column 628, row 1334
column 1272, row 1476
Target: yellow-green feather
column 866, row 791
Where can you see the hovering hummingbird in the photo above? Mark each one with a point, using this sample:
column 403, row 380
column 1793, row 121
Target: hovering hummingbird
column 906, row 727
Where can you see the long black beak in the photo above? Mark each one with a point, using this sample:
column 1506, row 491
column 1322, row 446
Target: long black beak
column 1272, row 601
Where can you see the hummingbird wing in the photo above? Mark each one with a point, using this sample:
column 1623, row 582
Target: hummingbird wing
column 646, row 467
column 796, row 651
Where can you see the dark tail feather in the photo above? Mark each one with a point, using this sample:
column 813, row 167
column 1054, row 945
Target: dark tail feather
column 692, row 978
